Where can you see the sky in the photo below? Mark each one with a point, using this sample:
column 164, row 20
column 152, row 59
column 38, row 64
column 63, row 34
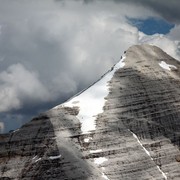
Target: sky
column 52, row 49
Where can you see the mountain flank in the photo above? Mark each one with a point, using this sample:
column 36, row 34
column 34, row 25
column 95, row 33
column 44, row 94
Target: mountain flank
column 125, row 126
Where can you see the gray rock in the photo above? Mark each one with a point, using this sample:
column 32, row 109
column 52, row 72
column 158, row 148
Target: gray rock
column 137, row 135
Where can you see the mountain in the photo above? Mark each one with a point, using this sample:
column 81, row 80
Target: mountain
column 125, row 126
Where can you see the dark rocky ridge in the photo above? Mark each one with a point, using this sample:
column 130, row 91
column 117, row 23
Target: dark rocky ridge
column 141, row 116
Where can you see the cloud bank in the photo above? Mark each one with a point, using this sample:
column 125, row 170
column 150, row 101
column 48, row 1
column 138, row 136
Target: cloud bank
column 50, row 50
column 1, row 127
column 17, row 84
column 170, row 10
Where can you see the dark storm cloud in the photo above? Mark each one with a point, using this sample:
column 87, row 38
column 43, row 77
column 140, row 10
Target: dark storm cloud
column 170, row 10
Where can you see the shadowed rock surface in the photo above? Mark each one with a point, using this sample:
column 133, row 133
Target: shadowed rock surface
column 136, row 137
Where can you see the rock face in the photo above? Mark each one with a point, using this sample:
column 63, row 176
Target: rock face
column 136, row 136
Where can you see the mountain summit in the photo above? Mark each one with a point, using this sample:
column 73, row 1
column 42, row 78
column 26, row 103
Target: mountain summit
column 124, row 126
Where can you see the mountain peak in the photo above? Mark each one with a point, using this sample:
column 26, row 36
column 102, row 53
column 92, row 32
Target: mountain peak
column 149, row 54
column 125, row 126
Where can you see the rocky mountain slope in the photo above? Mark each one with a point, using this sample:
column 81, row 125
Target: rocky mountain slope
column 125, row 126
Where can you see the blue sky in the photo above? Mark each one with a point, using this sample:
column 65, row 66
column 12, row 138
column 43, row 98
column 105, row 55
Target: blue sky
column 152, row 25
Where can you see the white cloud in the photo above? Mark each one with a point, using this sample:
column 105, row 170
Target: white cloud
column 174, row 33
column 19, row 86
column 70, row 45
column 162, row 41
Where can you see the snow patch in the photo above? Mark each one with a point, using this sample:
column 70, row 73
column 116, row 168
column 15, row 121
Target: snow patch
column 91, row 101
column 16, row 130
column 103, row 168
column 95, row 151
column 38, row 160
column 34, row 157
column 147, row 152
column 166, row 66
column 100, row 160
column 86, row 140
column 55, row 157
column 105, row 177
column 54, row 138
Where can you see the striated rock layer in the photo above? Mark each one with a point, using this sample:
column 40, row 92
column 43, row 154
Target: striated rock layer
column 136, row 136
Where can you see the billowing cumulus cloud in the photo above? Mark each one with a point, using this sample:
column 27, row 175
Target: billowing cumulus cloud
column 175, row 33
column 162, row 41
column 50, row 50
column 18, row 85
column 1, row 127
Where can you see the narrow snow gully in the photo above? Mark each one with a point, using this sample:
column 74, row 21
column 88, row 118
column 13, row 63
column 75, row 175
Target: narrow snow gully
column 147, row 152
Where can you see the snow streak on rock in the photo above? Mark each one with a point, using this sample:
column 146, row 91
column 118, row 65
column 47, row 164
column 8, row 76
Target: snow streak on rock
column 38, row 160
column 147, row 152
column 55, row 157
column 104, row 176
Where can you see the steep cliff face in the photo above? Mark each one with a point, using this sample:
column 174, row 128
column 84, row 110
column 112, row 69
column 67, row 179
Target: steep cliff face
column 125, row 126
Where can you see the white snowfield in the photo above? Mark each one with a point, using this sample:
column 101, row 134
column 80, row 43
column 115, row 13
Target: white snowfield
column 166, row 66
column 36, row 159
column 91, row 101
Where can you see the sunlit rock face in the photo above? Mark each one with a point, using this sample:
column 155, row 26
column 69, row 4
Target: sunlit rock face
column 125, row 126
